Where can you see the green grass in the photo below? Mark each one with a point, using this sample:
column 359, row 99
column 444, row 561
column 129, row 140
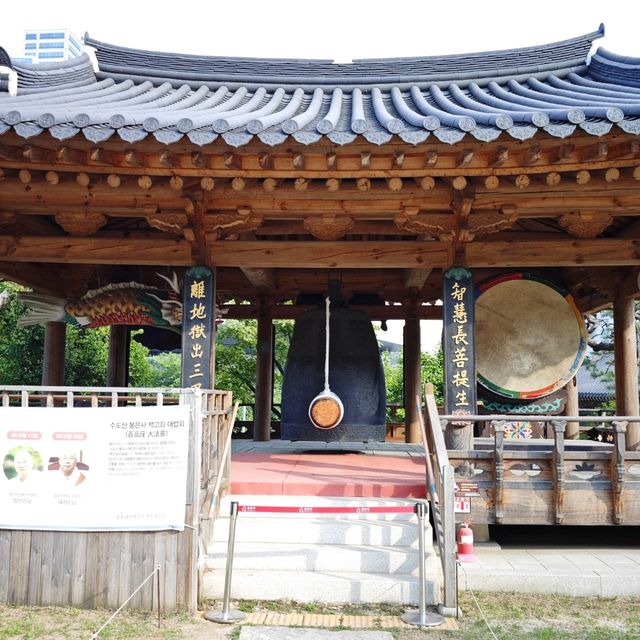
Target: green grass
column 511, row 616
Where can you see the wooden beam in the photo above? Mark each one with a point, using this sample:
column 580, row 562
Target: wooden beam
column 327, row 254
column 102, row 156
column 411, row 361
column 415, row 278
column 562, row 153
column 431, row 158
column 595, row 152
column 264, row 375
column 198, row 159
column 294, row 311
column 117, row 250
column 41, row 279
column 626, row 366
column 55, row 334
column 71, row 156
column 532, row 155
column 600, row 252
column 500, row 156
column 260, row 278
column 134, row 158
column 465, row 158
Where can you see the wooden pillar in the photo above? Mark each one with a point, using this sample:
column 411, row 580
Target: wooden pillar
column 411, row 359
column 572, row 408
column 264, row 375
column 626, row 365
column 55, row 336
column 118, row 366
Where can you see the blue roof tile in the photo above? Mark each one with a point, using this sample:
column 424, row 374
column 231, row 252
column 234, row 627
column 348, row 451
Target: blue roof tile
column 515, row 93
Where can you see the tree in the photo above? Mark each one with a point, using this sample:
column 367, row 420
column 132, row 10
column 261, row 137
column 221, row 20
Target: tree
column 21, row 348
column 431, row 370
column 600, row 355
column 236, row 357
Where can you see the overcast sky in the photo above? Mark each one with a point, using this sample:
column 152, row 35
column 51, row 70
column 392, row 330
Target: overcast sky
column 336, row 29
column 340, row 30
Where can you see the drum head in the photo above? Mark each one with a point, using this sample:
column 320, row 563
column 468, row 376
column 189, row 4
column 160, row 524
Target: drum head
column 530, row 337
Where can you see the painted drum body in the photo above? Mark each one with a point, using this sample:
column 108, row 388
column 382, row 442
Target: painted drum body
column 356, row 377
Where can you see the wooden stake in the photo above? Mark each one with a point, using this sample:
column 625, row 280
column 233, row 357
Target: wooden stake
column 238, row 184
column 553, row 179
column 114, row 180
column 300, row 184
column 522, row 181
column 363, row 184
column 427, row 183
column 492, row 182
column 145, row 182
column 207, row 184
column 176, row 183
column 612, row 174
column 83, row 179
column 270, row 184
column 459, row 183
column 583, row 177
column 394, row 184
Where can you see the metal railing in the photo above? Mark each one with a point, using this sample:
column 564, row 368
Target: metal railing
column 440, row 492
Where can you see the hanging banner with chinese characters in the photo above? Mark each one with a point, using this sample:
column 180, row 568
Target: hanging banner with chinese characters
column 459, row 347
column 198, row 328
column 94, row 469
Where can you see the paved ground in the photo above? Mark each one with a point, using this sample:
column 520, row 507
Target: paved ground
column 574, row 571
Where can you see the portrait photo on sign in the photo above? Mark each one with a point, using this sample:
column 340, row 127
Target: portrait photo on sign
column 68, row 469
column 22, row 465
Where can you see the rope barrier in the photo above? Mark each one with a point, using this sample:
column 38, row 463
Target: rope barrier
column 473, row 595
column 286, row 509
column 421, row 618
column 119, row 609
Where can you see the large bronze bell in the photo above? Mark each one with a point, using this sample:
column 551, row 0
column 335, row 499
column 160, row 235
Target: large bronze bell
column 356, row 377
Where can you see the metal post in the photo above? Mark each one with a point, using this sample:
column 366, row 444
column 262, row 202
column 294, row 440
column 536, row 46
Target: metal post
column 421, row 618
column 158, row 583
column 226, row 616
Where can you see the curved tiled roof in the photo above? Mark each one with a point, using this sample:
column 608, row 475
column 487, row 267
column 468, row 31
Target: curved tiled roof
column 486, row 95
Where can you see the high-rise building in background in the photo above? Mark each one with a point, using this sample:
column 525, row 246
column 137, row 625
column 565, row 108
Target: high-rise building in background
column 49, row 45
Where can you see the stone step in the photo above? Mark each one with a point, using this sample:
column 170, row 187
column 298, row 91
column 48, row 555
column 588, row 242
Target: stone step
column 319, row 557
column 324, row 587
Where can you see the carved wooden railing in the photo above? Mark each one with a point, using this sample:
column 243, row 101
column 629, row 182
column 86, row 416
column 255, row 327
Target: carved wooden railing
column 440, row 492
column 552, row 481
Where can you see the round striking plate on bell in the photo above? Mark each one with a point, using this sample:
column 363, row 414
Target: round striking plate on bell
column 530, row 336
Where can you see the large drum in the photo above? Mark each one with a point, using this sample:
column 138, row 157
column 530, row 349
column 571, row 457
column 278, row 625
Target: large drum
column 530, row 337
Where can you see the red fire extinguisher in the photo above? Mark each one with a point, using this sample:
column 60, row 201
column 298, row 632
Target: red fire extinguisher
column 465, row 543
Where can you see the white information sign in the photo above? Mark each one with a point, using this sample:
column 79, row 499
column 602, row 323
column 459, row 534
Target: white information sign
column 93, row 469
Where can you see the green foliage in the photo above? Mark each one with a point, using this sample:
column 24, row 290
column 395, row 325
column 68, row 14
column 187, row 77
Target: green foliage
column 165, row 370
column 236, row 357
column 21, row 348
column 432, row 368
column 86, row 356
column 141, row 370
column 431, row 371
